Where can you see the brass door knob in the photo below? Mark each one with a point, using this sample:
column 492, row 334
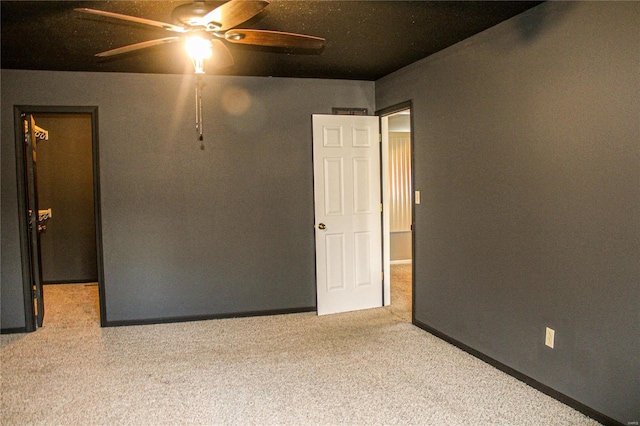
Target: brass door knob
column 322, row 226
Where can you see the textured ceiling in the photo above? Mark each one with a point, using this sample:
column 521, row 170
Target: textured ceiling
column 365, row 40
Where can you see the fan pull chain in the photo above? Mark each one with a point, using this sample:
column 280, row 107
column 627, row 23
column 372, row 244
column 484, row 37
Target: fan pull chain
column 199, row 86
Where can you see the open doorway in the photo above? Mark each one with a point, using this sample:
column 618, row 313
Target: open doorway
column 348, row 262
column 397, row 176
column 61, row 241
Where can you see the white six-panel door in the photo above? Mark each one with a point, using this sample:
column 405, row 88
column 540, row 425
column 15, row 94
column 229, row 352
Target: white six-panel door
column 346, row 159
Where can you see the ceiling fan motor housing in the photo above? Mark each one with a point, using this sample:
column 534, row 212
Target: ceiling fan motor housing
column 189, row 15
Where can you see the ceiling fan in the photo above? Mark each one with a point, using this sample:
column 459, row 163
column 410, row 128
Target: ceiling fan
column 204, row 31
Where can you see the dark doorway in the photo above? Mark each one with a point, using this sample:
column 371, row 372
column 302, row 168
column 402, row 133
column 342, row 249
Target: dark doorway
column 60, row 229
column 65, row 192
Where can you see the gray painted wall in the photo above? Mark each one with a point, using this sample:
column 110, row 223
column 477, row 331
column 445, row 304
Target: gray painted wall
column 188, row 232
column 527, row 159
column 11, row 292
column 65, row 184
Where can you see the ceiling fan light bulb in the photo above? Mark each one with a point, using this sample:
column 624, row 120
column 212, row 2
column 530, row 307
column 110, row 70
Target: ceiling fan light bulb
column 198, row 48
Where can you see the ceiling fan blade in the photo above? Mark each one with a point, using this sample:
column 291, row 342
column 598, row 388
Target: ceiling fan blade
column 234, row 13
column 221, row 57
column 137, row 46
column 274, row 39
column 135, row 19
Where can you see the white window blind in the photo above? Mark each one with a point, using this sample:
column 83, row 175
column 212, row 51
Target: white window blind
column 400, row 181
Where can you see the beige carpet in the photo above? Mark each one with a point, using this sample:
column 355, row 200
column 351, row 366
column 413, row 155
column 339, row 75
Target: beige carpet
column 401, row 291
column 364, row 368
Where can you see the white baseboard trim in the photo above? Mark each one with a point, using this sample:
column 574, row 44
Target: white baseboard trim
column 401, row 261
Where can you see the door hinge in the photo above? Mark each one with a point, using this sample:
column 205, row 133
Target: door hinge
column 383, row 276
column 379, row 137
column 381, row 207
column 31, row 219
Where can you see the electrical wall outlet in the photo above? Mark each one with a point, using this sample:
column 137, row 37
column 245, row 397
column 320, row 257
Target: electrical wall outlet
column 417, row 197
column 550, row 337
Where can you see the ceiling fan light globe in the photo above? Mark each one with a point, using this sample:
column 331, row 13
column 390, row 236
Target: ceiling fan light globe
column 198, row 48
